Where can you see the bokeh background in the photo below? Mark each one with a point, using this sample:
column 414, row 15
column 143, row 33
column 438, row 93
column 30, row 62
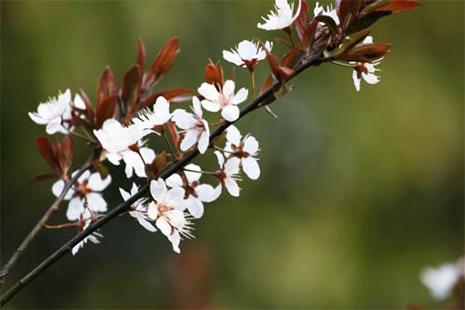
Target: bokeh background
column 359, row 191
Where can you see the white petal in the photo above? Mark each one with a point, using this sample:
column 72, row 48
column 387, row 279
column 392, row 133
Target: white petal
column 207, row 193
column 251, row 168
column 84, row 176
column 97, row 184
column 356, row 80
column 233, row 135
column 158, row 190
column 230, row 113
column 152, row 211
column 58, row 187
column 161, row 110
column 183, row 119
column 241, row 96
column 209, row 92
column 146, row 224
column 204, row 141
column 75, row 208
column 193, row 176
column 147, row 154
column 231, row 167
column 79, row 103
column 233, row 58
column 370, row 78
column 189, row 139
column 228, row 88
column 220, row 158
column 250, row 145
column 232, row 187
column 175, row 239
column 174, row 180
column 175, row 196
column 212, row 106
column 163, row 225
column 196, row 208
column 124, row 194
column 96, row 202
column 133, row 160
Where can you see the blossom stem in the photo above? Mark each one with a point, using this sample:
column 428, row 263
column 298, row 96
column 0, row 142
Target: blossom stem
column 167, row 141
column 342, row 64
column 223, row 150
column 201, row 171
column 43, row 220
column 252, row 77
column 65, row 225
column 262, row 100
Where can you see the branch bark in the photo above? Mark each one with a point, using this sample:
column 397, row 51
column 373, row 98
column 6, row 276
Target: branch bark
column 42, row 222
column 264, row 99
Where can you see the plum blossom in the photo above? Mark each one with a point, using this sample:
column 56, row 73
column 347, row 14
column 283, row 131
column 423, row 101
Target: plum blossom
column 166, row 210
column 245, row 150
column 223, row 99
column 148, row 119
column 247, row 54
column 441, row 280
column 282, row 18
column 228, row 174
column 124, row 143
column 197, row 130
column 138, row 209
column 195, row 193
column 84, row 222
column 56, row 113
column 330, row 12
column 84, row 194
column 365, row 70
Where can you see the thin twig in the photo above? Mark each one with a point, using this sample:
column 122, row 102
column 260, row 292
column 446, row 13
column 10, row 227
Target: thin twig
column 263, row 100
column 43, row 220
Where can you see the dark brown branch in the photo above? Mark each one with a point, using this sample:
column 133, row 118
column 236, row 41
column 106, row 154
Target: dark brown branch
column 264, row 99
column 43, row 220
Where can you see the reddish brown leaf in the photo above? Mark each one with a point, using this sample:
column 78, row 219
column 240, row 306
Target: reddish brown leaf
column 174, row 133
column 89, row 108
column 132, row 83
column 140, row 60
column 65, row 157
column 267, row 84
column 173, row 94
column 214, row 73
column 397, row 6
column 48, row 152
column 163, row 62
column 301, row 21
column 309, row 34
column 43, row 176
column 105, row 110
column 348, row 11
column 107, row 85
column 372, row 51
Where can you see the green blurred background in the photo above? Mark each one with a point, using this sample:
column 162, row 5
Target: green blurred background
column 359, row 191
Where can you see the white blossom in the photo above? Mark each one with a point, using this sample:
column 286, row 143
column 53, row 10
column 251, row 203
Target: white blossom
column 86, row 219
column 330, row 12
column 282, row 18
column 246, row 150
column 247, row 53
column 125, row 143
column 365, row 70
column 160, row 114
column 84, row 194
column 138, row 209
column 225, row 99
column 56, row 113
column 228, row 174
column 195, row 193
column 441, row 280
column 196, row 127
column 166, row 210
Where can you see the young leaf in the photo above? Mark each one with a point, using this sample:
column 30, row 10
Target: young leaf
column 214, row 73
column 301, row 21
column 328, row 21
column 48, row 152
column 163, row 62
column 131, row 86
column 105, row 110
column 140, row 60
column 106, row 86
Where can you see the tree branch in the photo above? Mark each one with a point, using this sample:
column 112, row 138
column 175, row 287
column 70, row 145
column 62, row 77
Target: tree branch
column 264, row 99
column 43, row 220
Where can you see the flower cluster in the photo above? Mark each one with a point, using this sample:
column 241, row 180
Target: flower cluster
column 127, row 118
column 441, row 280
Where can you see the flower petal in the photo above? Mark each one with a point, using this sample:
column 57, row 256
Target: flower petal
column 174, row 180
column 96, row 202
column 251, row 167
column 97, row 184
column 158, row 190
column 230, row 113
